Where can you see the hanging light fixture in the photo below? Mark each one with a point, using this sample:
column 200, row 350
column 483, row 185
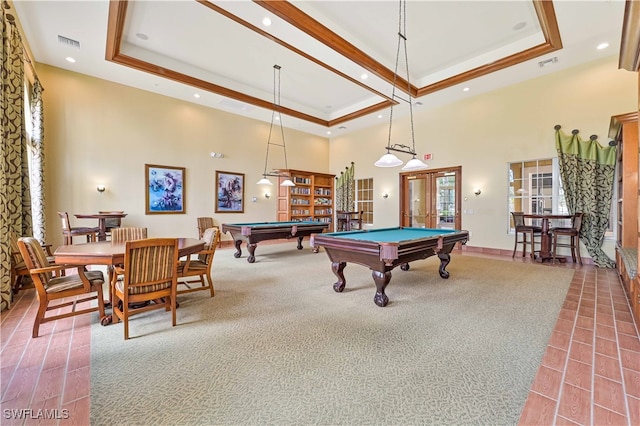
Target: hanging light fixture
column 276, row 110
column 389, row 159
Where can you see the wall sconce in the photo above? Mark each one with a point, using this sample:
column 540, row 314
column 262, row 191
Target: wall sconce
column 385, row 195
column 267, row 195
column 100, row 188
column 477, row 191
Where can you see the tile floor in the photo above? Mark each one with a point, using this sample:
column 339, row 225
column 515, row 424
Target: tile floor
column 589, row 375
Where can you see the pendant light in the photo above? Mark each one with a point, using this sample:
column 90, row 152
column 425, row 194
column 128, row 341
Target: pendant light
column 389, row 159
column 276, row 110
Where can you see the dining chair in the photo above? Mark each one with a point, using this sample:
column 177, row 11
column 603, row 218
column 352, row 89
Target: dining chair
column 19, row 268
column 68, row 232
column 119, row 236
column 111, row 222
column 573, row 233
column 524, row 231
column 83, row 287
column 149, row 275
column 199, row 267
column 204, row 223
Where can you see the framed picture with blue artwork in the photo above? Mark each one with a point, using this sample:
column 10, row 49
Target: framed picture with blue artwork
column 165, row 189
column 229, row 192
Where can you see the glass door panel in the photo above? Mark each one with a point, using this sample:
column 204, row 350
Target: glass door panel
column 445, row 190
column 418, row 211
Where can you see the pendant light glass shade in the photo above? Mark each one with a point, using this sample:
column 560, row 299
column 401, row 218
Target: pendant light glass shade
column 414, row 164
column 274, row 117
column 388, row 159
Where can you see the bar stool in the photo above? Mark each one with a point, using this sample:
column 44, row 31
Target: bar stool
column 574, row 238
column 522, row 230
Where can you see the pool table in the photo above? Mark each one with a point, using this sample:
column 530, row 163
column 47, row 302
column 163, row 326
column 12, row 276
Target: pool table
column 253, row 233
column 383, row 249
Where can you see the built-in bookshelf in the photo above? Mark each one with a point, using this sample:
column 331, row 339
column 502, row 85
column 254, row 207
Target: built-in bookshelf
column 311, row 198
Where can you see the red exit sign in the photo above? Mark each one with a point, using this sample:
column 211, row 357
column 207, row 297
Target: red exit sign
column 428, row 156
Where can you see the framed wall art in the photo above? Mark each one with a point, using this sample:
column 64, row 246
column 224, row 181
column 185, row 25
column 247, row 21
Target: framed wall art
column 165, row 189
column 229, row 192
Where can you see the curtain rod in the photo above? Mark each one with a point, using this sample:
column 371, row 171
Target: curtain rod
column 575, row 132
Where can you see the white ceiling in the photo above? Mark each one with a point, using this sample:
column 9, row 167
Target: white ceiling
column 226, row 55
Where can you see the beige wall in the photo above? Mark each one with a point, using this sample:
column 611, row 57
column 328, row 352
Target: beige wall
column 483, row 133
column 101, row 132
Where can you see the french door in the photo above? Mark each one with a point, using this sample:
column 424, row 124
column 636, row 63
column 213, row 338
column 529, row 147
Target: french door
column 431, row 199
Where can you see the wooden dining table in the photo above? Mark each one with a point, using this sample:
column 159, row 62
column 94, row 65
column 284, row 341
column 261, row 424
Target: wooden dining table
column 102, row 221
column 109, row 254
column 545, row 240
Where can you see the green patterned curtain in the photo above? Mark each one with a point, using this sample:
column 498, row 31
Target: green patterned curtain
column 587, row 170
column 346, row 190
column 15, row 201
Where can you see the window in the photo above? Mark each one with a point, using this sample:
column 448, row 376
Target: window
column 364, row 199
column 535, row 187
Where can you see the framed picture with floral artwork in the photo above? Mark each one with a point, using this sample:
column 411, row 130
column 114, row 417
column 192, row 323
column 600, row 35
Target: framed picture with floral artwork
column 229, row 192
column 165, row 189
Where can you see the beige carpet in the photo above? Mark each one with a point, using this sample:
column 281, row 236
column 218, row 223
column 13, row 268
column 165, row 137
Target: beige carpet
column 278, row 346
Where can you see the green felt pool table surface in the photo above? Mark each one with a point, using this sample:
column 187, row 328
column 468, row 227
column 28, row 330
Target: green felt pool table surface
column 391, row 235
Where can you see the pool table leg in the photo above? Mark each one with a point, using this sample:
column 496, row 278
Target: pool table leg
column 445, row 258
column 381, row 279
column 300, row 243
column 338, row 268
column 252, row 249
column 238, row 252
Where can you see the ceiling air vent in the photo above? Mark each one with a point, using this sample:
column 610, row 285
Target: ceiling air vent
column 68, row 42
column 548, row 62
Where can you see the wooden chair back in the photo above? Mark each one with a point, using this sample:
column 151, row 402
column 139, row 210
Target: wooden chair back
column 203, row 224
column 150, row 273
column 130, row 233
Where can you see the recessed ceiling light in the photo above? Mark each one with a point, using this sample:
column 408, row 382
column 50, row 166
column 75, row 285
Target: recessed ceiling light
column 603, row 45
column 364, row 76
column 328, row 132
column 70, row 59
column 266, row 22
column 466, row 89
column 142, row 36
column 196, row 95
column 379, row 115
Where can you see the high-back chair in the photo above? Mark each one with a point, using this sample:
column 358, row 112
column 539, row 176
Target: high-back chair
column 49, row 288
column 525, row 234
column 119, row 236
column 149, row 275
column 573, row 233
column 200, row 267
column 68, row 232
column 204, row 223
column 19, row 268
column 111, row 222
